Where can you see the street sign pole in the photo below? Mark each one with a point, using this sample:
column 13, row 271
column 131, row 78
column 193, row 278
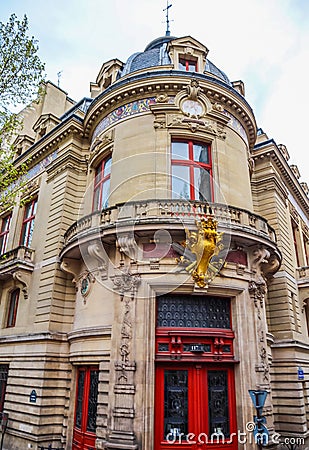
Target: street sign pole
column 261, row 433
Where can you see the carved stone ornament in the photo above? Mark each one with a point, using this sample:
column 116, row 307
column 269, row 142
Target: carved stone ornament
column 86, row 281
column 126, row 282
column 96, row 260
column 263, row 262
column 162, row 98
column 257, row 290
column 198, row 250
column 127, row 245
column 24, row 279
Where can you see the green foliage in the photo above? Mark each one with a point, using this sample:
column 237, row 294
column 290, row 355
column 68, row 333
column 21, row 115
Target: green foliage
column 21, row 76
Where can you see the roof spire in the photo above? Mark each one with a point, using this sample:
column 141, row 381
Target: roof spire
column 167, row 33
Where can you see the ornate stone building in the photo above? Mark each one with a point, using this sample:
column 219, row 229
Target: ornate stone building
column 158, row 268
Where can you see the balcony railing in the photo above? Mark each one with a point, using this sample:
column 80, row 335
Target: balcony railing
column 20, row 257
column 170, row 211
column 302, row 274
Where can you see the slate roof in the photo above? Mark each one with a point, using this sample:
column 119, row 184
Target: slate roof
column 155, row 54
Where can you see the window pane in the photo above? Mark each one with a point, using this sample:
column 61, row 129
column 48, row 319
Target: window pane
column 105, row 194
column 175, row 404
column 181, row 311
column 5, row 227
column 200, row 153
column 12, row 309
column 79, row 399
column 92, row 401
column 96, row 199
column 30, row 232
column 180, row 150
column 4, row 369
column 182, row 64
column 202, row 190
column 107, row 167
column 218, row 403
column 180, row 182
column 191, row 66
column 28, row 212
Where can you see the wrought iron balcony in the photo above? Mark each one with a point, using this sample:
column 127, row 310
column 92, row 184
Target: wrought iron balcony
column 176, row 213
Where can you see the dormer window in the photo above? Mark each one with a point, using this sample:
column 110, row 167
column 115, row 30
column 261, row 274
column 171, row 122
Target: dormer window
column 188, row 64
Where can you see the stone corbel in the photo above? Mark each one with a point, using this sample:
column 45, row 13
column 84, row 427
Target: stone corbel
column 270, row 267
column 71, row 266
column 259, row 256
column 97, row 254
column 24, row 279
column 127, row 246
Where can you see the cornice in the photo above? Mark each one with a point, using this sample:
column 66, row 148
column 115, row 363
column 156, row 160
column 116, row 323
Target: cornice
column 73, row 125
column 270, row 150
column 150, row 84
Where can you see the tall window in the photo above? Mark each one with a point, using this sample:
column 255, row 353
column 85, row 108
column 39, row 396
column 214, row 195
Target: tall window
column 28, row 223
column 191, row 171
column 4, row 233
column 4, row 370
column 12, row 308
column 188, row 64
column 102, row 184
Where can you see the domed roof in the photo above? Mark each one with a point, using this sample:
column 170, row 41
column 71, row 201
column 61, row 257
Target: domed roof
column 155, row 54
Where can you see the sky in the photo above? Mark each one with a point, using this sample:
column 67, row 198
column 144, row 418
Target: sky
column 264, row 43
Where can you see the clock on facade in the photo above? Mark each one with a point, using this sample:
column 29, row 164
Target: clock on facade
column 192, row 108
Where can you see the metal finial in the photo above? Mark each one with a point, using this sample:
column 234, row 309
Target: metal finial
column 59, row 76
column 167, row 33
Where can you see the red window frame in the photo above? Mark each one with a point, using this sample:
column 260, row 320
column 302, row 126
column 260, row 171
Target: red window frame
column 28, row 223
column 12, row 308
column 4, row 233
column 192, row 164
column 187, row 64
column 102, row 177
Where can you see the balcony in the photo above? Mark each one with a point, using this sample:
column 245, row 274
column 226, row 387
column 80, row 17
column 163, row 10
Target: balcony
column 172, row 215
column 302, row 275
column 18, row 264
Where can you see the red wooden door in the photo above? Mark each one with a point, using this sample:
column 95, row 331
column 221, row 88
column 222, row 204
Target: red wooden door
column 86, row 409
column 195, row 407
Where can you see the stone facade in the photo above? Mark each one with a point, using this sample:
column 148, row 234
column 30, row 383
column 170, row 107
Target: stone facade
column 87, row 265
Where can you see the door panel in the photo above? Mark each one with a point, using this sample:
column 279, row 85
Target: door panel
column 195, row 407
column 86, row 409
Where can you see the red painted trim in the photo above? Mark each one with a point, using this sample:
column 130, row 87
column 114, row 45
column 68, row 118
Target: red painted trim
column 83, row 439
column 29, row 208
column 99, row 185
column 198, row 412
column 191, row 164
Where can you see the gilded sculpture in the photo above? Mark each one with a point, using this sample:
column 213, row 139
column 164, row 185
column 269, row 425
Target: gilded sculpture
column 198, row 250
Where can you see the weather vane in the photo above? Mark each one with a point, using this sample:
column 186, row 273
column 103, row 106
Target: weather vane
column 167, row 33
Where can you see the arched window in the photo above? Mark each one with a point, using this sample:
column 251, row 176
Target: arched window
column 102, row 184
column 191, row 171
column 12, row 308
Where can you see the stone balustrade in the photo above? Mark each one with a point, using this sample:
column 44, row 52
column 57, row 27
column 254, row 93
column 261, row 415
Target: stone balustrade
column 15, row 259
column 170, row 211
